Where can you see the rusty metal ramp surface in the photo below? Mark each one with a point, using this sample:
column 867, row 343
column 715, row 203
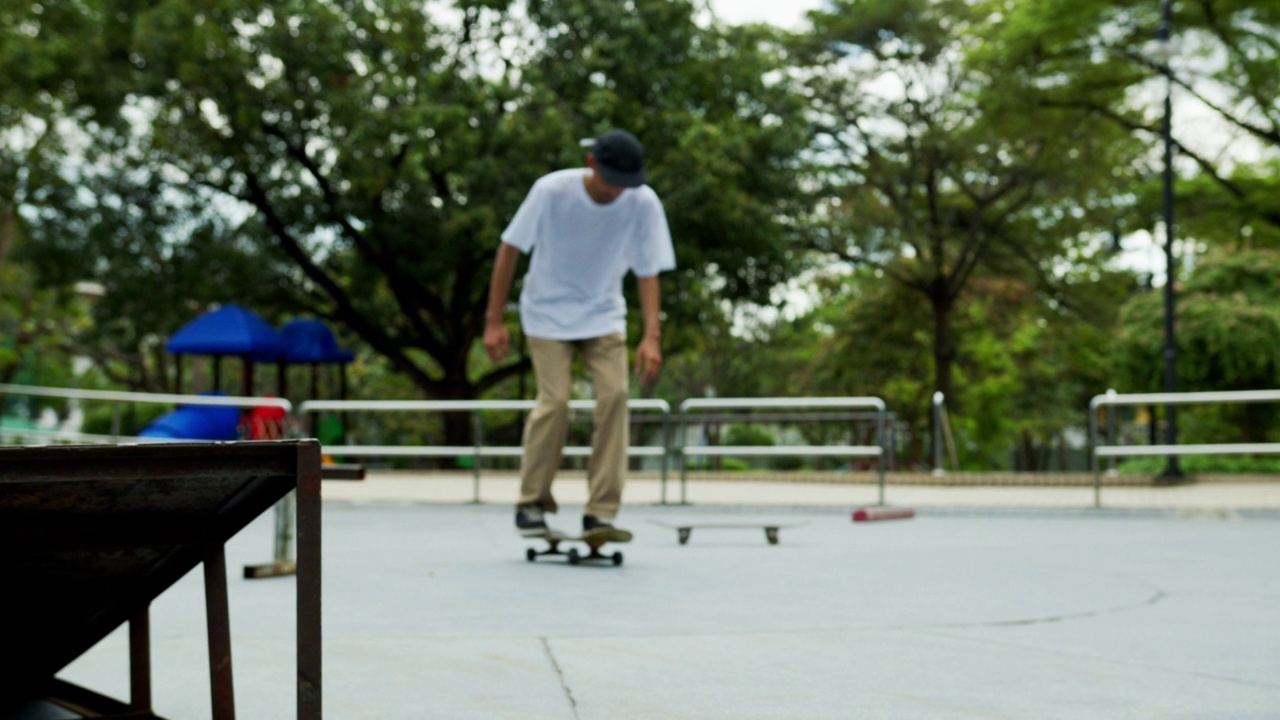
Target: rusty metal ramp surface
column 90, row 535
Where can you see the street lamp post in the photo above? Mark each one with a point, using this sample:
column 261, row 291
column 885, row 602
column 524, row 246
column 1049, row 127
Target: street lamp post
column 1163, row 38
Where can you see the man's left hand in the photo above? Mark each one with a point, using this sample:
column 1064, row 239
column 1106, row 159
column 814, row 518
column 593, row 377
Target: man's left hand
column 648, row 359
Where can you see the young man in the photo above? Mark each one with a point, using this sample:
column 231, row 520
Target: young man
column 586, row 227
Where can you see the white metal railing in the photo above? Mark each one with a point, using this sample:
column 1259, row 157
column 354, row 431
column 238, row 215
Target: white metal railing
column 118, row 398
column 804, row 404
column 1112, row 399
column 477, row 449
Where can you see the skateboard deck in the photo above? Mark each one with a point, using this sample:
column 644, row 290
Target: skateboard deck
column 684, row 530
column 593, row 540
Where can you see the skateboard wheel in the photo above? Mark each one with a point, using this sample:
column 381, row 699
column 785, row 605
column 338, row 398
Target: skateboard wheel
column 530, row 554
column 617, row 558
column 574, row 557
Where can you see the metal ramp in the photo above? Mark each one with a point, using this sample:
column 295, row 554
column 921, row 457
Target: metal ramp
column 91, row 535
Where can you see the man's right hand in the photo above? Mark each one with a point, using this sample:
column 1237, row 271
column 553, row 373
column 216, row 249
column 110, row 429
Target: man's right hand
column 496, row 340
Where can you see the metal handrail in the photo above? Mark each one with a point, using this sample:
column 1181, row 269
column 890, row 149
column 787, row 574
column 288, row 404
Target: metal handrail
column 477, row 449
column 123, row 396
column 51, row 437
column 683, row 451
column 119, row 397
column 1113, row 399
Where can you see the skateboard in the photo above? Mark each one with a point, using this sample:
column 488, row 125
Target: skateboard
column 593, row 541
column 685, row 530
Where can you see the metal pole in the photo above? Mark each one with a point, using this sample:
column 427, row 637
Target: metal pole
column 476, row 431
column 1163, row 35
column 115, row 422
column 681, row 434
column 285, row 509
column 1093, row 453
column 937, row 434
column 1111, row 431
column 880, row 442
column 666, row 452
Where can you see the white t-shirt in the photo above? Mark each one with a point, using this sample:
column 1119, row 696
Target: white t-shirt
column 582, row 250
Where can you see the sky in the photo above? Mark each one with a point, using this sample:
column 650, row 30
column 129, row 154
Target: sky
column 783, row 13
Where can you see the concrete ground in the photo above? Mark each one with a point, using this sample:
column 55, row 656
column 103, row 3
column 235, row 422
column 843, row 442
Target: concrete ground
column 966, row 611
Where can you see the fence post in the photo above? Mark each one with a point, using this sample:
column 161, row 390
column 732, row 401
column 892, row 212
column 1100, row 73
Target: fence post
column 476, row 430
column 1093, row 452
column 937, row 435
column 1111, row 431
column 682, row 433
column 880, row 441
column 666, row 453
column 115, row 422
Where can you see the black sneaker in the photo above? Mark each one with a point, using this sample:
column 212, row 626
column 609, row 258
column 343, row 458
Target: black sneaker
column 596, row 529
column 529, row 520
column 591, row 523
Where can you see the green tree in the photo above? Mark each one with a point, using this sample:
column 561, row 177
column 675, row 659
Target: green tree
column 738, row 351
column 1096, row 59
column 877, row 343
column 1025, row 371
column 124, row 236
column 379, row 149
column 59, row 62
column 934, row 172
column 1228, row 322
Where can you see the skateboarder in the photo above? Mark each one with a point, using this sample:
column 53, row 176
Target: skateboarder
column 586, row 228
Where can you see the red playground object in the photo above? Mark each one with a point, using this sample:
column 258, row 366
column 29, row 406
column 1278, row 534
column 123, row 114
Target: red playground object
column 868, row 514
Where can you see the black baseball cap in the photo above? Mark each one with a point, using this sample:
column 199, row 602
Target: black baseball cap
column 619, row 158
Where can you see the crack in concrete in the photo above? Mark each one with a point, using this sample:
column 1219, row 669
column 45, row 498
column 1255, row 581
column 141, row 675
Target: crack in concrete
column 1155, row 598
column 546, row 647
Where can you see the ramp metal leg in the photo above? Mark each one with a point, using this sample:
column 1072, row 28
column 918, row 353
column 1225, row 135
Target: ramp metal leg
column 219, row 623
column 140, row 662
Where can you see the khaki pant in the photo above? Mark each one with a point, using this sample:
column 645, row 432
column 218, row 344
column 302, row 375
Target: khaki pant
column 547, row 428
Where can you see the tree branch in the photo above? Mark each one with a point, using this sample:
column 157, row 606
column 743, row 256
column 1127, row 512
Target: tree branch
column 346, row 310
column 403, row 286
column 1207, row 166
column 1271, row 135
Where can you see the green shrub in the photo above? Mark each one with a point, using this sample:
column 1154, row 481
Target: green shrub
column 727, row 464
column 1202, row 465
column 787, row 462
column 748, row 434
column 133, row 417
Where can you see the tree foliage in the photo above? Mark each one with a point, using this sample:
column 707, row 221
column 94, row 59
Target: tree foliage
column 1227, row 325
column 1098, row 59
column 1227, row 322
column 376, row 151
column 935, row 172
column 59, row 62
column 1024, row 371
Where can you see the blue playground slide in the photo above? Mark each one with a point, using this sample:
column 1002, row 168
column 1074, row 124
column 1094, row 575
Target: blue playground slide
column 195, row 422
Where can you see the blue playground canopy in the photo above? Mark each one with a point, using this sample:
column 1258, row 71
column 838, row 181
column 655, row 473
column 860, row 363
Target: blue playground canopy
column 229, row 330
column 308, row 340
column 236, row 331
